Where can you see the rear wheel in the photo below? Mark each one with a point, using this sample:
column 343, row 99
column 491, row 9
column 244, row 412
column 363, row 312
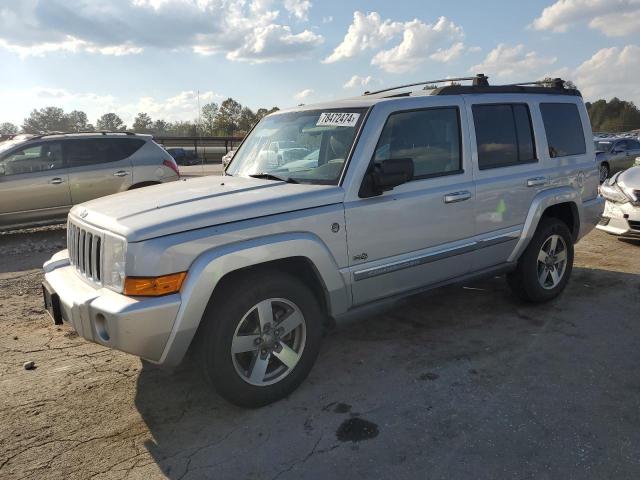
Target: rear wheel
column 261, row 338
column 544, row 268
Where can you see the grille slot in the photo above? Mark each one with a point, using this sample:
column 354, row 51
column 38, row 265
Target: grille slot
column 85, row 251
column 634, row 224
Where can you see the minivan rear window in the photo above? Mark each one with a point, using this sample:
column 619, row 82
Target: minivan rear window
column 93, row 151
column 562, row 123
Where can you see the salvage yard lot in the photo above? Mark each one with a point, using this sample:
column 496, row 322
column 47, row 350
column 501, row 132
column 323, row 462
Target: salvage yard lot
column 461, row 382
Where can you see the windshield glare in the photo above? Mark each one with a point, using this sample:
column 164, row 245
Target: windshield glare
column 306, row 146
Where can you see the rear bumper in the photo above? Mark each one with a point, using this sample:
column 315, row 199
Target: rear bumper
column 591, row 212
column 140, row 326
column 623, row 220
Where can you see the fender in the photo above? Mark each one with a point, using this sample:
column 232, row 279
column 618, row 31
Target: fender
column 541, row 202
column 211, row 266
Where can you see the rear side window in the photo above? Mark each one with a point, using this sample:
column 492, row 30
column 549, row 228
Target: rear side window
column 562, row 123
column 431, row 138
column 504, row 135
column 94, row 151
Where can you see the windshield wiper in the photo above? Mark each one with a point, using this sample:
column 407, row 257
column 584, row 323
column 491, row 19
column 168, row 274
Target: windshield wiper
column 271, row 176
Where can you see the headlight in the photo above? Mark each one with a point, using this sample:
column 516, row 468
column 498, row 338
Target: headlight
column 115, row 253
column 637, row 162
column 613, row 193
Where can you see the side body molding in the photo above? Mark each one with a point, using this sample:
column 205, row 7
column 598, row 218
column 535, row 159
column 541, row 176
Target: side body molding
column 541, row 202
column 208, row 269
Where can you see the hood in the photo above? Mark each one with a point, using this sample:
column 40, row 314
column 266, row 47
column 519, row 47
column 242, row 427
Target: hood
column 201, row 202
column 630, row 178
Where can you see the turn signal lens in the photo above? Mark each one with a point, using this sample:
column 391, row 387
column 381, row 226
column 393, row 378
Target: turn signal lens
column 154, row 286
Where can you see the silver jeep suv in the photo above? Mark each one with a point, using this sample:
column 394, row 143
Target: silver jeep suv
column 399, row 192
column 43, row 176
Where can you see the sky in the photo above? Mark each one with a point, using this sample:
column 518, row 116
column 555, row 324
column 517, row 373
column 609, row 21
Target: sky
column 159, row 56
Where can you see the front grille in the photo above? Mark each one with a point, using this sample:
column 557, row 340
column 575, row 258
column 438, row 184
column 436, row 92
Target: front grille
column 85, row 251
column 634, row 224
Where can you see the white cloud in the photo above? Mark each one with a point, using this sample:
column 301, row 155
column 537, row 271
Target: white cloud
column 357, row 82
column 506, row 61
column 365, row 33
column 304, row 94
column 243, row 30
column 298, row 8
column 611, row 17
column 419, row 42
column 610, row 72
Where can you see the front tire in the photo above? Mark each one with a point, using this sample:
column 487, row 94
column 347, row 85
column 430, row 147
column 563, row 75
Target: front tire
column 261, row 338
column 544, row 268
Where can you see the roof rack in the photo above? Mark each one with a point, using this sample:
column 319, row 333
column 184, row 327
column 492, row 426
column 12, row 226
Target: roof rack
column 94, row 132
column 480, row 84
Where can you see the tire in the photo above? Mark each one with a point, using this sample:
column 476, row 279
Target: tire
column 529, row 281
column 604, row 172
column 234, row 320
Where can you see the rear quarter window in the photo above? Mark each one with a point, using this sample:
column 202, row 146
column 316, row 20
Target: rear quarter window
column 563, row 128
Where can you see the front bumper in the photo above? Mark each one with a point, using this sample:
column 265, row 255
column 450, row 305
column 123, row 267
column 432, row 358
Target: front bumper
column 621, row 219
column 140, row 326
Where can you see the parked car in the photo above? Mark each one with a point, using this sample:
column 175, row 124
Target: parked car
column 43, row 176
column 183, row 157
column 226, row 159
column 615, row 155
column 405, row 193
column 622, row 211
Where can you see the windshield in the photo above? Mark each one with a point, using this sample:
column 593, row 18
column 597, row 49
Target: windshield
column 602, row 146
column 308, row 146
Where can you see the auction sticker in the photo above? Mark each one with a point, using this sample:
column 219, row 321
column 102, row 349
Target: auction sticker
column 338, row 119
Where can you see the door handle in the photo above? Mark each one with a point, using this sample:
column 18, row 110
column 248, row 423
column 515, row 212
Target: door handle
column 456, row 197
column 56, row 181
column 536, row 181
column 121, row 173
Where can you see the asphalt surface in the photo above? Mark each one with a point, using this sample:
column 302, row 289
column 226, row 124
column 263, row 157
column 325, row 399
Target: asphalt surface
column 461, row 382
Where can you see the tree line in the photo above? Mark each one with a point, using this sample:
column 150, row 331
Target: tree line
column 613, row 116
column 229, row 118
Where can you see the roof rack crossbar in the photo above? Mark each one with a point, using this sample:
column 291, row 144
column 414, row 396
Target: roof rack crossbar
column 479, row 79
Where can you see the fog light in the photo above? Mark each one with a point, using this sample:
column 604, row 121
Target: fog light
column 154, row 286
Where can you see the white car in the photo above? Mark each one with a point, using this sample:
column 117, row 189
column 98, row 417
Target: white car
column 622, row 211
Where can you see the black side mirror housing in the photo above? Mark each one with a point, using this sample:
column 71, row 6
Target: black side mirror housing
column 386, row 175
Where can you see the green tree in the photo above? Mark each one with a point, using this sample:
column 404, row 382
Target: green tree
column 183, row 129
column 247, row 120
column 111, row 122
column 208, row 118
column 77, row 121
column 613, row 116
column 49, row 119
column 228, row 117
column 161, row 127
column 142, row 123
column 8, row 128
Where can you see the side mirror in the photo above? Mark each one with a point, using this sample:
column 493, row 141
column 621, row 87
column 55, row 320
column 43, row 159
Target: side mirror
column 386, row 175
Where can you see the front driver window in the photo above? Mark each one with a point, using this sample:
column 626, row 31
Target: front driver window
column 34, row 158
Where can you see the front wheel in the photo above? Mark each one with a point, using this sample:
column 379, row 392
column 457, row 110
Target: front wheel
column 544, row 268
column 261, row 338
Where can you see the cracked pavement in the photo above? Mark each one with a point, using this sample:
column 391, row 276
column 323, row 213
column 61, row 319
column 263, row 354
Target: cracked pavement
column 460, row 382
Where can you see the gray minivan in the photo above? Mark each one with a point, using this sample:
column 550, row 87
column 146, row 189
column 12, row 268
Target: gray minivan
column 43, row 176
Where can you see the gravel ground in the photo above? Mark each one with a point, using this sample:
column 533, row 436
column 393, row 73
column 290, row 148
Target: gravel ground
column 461, row 382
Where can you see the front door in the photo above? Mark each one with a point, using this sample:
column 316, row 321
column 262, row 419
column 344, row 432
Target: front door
column 97, row 167
column 420, row 232
column 34, row 185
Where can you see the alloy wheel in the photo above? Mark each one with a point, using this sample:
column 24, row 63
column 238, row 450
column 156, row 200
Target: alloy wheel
column 552, row 262
column 268, row 342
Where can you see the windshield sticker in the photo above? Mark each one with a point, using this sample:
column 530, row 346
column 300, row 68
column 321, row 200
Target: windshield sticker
column 337, row 119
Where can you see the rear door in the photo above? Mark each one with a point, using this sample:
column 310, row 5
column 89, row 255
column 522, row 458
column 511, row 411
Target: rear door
column 420, row 232
column 34, row 185
column 507, row 173
column 97, row 167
